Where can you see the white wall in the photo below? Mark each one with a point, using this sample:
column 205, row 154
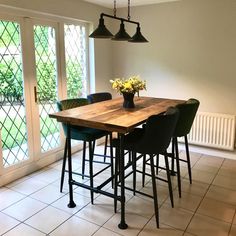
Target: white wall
column 191, row 53
column 76, row 9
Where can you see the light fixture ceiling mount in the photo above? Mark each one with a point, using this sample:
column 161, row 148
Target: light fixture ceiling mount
column 102, row 32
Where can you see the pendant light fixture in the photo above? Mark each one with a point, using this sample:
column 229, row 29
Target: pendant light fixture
column 101, row 31
column 122, row 35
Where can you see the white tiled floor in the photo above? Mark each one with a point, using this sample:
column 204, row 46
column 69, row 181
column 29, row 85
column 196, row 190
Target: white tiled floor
column 34, row 206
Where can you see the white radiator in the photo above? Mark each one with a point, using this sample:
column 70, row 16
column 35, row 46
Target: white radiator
column 213, row 130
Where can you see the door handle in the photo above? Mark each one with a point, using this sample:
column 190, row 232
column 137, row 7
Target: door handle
column 35, row 94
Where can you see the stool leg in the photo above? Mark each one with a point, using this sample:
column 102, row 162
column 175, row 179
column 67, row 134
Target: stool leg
column 130, row 156
column 91, row 168
column 83, row 159
column 177, row 166
column 173, row 158
column 63, row 167
column 134, row 171
column 157, row 163
column 105, row 148
column 94, row 144
column 154, row 190
column 144, row 169
column 169, row 180
column 188, row 159
column 111, row 157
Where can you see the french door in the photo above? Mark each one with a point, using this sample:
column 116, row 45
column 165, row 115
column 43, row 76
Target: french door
column 41, row 61
column 46, row 86
column 13, row 119
column 29, row 76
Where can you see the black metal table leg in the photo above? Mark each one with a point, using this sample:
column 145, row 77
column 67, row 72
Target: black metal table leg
column 122, row 224
column 71, row 203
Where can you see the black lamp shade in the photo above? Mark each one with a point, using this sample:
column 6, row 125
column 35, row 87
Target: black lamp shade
column 101, row 31
column 122, row 35
column 138, row 37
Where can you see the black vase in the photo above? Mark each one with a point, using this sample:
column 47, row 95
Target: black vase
column 128, row 100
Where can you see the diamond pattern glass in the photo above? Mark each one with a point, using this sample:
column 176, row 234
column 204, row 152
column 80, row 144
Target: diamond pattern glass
column 76, row 65
column 46, row 73
column 12, row 107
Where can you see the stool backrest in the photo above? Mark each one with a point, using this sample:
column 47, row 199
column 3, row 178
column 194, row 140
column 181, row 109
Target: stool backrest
column 159, row 130
column 187, row 113
column 69, row 104
column 99, row 97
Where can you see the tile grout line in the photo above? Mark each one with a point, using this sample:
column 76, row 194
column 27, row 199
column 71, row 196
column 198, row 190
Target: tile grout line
column 231, row 226
column 129, row 200
column 47, row 205
column 185, row 231
column 74, row 214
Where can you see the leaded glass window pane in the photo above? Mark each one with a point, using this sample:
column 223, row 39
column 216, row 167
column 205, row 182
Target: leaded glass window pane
column 12, row 106
column 76, row 65
column 46, row 73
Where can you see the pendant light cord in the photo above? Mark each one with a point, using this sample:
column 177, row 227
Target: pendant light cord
column 128, row 10
column 103, row 32
column 114, row 10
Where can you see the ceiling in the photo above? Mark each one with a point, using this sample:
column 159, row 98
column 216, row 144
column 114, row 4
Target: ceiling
column 124, row 3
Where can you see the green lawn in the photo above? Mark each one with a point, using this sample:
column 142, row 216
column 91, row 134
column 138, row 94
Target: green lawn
column 18, row 134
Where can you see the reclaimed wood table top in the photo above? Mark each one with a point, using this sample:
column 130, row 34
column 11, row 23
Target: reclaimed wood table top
column 111, row 116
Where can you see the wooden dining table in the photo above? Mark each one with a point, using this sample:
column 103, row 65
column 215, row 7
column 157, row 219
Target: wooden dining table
column 111, row 116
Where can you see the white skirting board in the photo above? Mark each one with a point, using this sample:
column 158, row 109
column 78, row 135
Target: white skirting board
column 209, row 151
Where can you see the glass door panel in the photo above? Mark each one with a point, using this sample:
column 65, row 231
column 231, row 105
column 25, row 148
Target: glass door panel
column 76, row 60
column 47, row 89
column 12, row 106
column 30, row 83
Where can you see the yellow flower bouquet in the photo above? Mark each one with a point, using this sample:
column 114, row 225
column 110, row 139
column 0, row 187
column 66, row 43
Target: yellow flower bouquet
column 128, row 87
column 131, row 85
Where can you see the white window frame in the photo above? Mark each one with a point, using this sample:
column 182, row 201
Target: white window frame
column 22, row 16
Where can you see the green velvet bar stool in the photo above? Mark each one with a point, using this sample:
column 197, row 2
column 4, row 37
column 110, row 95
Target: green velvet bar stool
column 187, row 113
column 152, row 140
column 100, row 97
column 87, row 135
